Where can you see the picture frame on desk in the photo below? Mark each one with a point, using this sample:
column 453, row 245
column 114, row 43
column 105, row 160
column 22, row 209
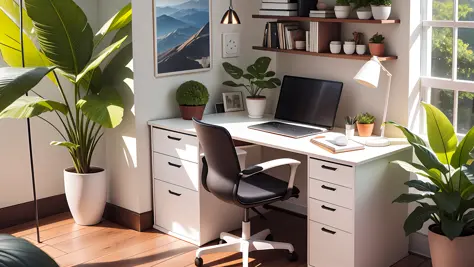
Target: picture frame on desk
column 220, row 108
column 233, row 101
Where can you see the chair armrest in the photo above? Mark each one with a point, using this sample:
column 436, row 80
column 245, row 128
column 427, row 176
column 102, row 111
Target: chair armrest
column 273, row 164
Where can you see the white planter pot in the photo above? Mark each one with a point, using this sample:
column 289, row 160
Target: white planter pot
column 342, row 12
column 256, row 107
column 361, row 49
column 335, row 47
column 364, row 14
column 350, row 131
column 381, row 12
column 86, row 195
column 349, row 49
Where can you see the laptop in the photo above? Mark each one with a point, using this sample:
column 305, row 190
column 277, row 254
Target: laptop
column 306, row 107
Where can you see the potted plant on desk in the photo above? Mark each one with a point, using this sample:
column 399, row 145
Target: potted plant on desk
column 448, row 165
column 258, row 79
column 365, row 124
column 192, row 98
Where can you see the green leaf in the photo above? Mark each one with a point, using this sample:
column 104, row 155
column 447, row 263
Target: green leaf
column 106, row 108
column 451, row 228
column 12, row 10
column 234, row 71
column 461, row 155
column 118, row 21
column 98, row 59
column 408, row 198
column 31, row 106
column 119, row 70
column 248, row 76
column 17, row 252
column 447, row 202
column 65, row 144
column 260, row 67
column 428, row 158
column 275, row 81
column 441, row 133
column 421, row 170
column 411, row 137
column 422, row 186
column 270, row 74
column 93, row 81
column 468, row 193
column 468, row 216
column 459, row 180
column 233, row 84
column 417, row 218
column 264, row 84
column 63, row 32
column 15, row 82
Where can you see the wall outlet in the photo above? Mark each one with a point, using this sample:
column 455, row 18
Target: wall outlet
column 230, row 45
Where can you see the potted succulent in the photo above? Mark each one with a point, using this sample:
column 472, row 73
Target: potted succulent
column 365, row 124
column 446, row 165
column 258, row 78
column 363, row 9
column 192, row 98
column 342, row 9
column 95, row 103
column 381, row 9
column 350, row 126
column 359, row 39
column 377, row 45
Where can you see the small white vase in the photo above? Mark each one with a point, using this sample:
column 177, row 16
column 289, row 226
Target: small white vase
column 350, row 131
column 361, row 49
column 335, row 47
column 86, row 195
column 364, row 14
column 349, row 48
column 381, row 12
column 342, row 12
column 256, row 107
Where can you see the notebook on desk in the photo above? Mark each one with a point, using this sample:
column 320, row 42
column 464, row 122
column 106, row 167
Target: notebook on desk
column 335, row 149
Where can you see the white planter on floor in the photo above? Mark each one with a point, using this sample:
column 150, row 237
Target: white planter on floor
column 381, row 12
column 86, row 195
column 256, row 107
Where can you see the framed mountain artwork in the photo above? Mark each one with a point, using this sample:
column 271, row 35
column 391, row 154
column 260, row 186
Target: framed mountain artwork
column 182, row 36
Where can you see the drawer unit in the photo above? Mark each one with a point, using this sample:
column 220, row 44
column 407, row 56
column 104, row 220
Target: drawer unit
column 329, row 214
column 176, row 171
column 176, row 145
column 330, row 247
column 331, row 193
column 331, row 172
column 177, row 209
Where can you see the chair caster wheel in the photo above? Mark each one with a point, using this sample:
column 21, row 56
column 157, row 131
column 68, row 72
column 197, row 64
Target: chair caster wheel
column 269, row 237
column 198, row 262
column 222, row 241
column 292, row 257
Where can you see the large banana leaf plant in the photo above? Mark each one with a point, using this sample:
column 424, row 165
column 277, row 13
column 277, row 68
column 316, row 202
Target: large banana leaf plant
column 446, row 163
column 57, row 41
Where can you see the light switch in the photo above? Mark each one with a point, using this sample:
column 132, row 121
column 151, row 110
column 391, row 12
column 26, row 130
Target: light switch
column 230, row 45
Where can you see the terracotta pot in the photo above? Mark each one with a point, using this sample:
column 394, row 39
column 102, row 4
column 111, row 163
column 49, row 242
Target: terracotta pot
column 365, row 130
column 190, row 112
column 445, row 252
column 377, row 49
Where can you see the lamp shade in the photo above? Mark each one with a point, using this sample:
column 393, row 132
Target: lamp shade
column 369, row 74
column 230, row 17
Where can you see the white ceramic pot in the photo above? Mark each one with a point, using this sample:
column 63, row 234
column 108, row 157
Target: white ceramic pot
column 342, row 12
column 361, row 49
column 256, row 107
column 364, row 14
column 349, row 48
column 86, row 195
column 335, row 47
column 350, row 131
column 381, row 12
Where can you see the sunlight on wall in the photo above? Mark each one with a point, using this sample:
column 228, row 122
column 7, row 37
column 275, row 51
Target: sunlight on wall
column 130, row 150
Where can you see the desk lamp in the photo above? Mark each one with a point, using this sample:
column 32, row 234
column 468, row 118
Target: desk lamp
column 369, row 76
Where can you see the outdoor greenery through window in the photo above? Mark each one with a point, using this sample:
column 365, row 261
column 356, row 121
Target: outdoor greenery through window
column 449, row 59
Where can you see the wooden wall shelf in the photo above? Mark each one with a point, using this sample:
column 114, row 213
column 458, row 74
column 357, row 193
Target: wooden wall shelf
column 390, row 21
column 342, row 56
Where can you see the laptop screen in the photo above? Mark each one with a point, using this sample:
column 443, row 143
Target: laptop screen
column 309, row 101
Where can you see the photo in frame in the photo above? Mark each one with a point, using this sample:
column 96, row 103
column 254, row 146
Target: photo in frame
column 233, row 101
column 182, row 35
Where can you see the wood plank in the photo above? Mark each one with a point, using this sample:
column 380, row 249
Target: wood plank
column 155, row 256
column 332, row 20
column 52, row 252
column 410, row 261
column 56, row 231
column 46, row 223
column 185, row 259
column 84, row 231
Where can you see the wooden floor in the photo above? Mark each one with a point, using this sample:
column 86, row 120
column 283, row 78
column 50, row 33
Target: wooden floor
column 109, row 245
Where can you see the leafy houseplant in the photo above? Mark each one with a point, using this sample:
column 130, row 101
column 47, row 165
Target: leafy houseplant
column 447, row 163
column 17, row 252
column 192, row 98
column 365, row 124
column 258, row 78
column 342, row 9
column 67, row 48
column 381, row 9
column 376, row 45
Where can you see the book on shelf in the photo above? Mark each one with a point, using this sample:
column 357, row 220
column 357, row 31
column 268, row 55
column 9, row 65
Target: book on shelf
column 324, row 16
column 284, row 13
column 282, row 35
column 322, row 11
column 280, row 6
column 278, row 1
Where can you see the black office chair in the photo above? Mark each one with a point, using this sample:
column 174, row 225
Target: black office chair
column 247, row 188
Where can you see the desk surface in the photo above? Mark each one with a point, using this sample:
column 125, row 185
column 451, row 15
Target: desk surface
column 237, row 124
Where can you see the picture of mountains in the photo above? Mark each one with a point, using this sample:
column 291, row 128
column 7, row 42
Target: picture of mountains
column 182, row 35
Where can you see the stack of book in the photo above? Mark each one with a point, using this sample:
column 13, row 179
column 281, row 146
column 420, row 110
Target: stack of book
column 322, row 14
column 282, row 35
column 279, row 8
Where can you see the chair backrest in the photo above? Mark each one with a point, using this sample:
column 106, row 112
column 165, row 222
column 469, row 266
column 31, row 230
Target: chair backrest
column 223, row 164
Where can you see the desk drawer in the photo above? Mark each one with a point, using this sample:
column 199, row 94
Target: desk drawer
column 329, row 247
column 329, row 214
column 176, row 145
column 331, row 172
column 176, row 209
column 176, row 171
column 331, row 193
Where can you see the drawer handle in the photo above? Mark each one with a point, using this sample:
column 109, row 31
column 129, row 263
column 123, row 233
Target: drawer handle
column 327, row 208
column 328, row 188
column 329, row 168
column 174, row 165
column 174, row 138
column 328, row 231
column 174, row 193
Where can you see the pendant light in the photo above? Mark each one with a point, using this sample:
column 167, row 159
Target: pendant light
column 230, row 16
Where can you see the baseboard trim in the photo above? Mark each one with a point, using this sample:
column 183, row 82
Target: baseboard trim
column 127, row 218
column 25, row 212
column 419, row 245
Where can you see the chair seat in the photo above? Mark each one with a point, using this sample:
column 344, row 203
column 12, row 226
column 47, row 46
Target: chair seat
column 261, row 189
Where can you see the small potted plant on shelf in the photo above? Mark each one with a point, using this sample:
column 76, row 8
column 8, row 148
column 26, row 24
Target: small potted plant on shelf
column 342, row 9
column 257, row 79
column 192, row 97
column 350, row 126
column 359, row 39
column 447, row 169
column 377, row 45
column 381, row 9
column 363, row 9
column 365, row 124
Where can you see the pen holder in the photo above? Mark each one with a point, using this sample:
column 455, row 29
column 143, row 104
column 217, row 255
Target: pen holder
column 350, row 130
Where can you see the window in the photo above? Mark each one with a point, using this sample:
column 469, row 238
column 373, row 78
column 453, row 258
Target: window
column 448, row 59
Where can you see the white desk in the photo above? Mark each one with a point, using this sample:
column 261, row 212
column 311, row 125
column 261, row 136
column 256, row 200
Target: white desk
column 351, row 221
